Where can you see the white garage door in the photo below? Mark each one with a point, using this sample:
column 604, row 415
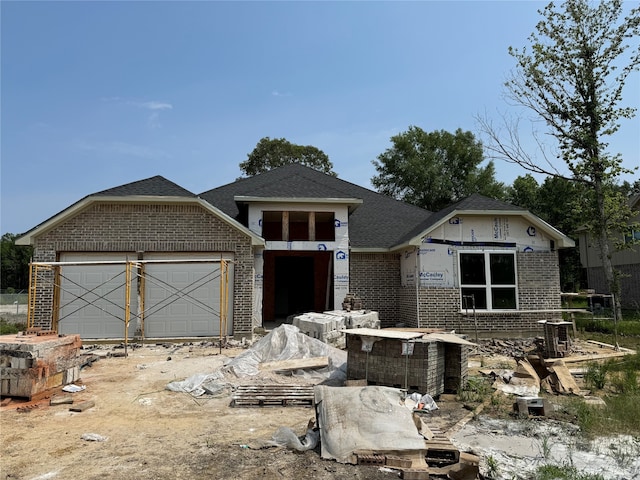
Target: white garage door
column 183, row 299
column 92, row 297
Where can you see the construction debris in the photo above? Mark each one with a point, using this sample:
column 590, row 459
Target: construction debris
column 560, row 380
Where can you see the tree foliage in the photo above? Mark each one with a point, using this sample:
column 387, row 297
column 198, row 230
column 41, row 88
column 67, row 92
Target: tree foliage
column 14, row 263
column 433, row 170
column 557, row 202
column 272, row 153
column 572, row 78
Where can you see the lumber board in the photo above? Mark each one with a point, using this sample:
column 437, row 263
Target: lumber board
column 295, row 364
column 81, row 407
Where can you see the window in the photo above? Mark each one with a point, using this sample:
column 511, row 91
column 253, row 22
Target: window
column 298, row 226
column 272, row 225
column 632, row 236
column 489, row 280
column 325, row 227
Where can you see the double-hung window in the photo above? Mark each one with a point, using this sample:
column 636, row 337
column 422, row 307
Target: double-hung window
column 488, row 279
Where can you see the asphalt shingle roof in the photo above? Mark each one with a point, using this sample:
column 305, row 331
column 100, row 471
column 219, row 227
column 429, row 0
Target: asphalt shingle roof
column 379, row 222
column 157, row 186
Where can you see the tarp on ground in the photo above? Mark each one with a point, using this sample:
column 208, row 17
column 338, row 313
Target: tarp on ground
column 372, row 418
column 285, row 342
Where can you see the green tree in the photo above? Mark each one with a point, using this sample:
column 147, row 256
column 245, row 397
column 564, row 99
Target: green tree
column 573, row 78
column 525, row 193
column 433, row 170
column 272, row 153
column 14, row 263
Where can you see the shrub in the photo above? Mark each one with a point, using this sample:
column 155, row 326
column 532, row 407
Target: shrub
column 596, row 375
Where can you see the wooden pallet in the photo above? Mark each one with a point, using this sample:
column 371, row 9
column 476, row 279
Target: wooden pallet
column 273, row 396
column 440, row 450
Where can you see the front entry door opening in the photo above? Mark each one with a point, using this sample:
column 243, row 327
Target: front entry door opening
column 294, row 286
column 296, row 282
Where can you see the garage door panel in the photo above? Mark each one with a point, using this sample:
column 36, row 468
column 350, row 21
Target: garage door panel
column 92, row 297
column 185, row 297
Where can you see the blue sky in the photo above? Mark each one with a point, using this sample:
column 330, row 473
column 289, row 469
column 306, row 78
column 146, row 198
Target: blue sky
column 98, row 94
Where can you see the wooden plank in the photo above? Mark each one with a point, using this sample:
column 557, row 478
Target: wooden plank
column 81, row 407
column 295, row 364
column 61, row 400
column 612, row 347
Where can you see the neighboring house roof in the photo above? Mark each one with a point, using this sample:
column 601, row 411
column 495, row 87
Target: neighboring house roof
column 378, row 223
column 153, row 189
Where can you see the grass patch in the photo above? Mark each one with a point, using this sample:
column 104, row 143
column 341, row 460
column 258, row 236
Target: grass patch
column 567, row 472
column 623, row 341
column 9, row 328
column 475, row 390
column 625, row 327
column 621, row 415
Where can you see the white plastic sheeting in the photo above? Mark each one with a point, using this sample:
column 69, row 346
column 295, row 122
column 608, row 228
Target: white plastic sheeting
column 285, row 342
column 372, row 418
column 285, row 437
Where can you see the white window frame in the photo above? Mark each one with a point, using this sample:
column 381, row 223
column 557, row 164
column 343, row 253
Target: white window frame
column 488, row 286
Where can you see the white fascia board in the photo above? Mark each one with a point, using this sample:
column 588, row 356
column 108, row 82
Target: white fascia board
column 562, row 240
column 27, row 238
column 353, row 203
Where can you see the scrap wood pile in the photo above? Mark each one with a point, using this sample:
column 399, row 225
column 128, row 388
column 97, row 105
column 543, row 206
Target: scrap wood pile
column 521, row 347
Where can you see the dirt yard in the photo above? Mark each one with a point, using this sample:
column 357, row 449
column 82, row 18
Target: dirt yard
column 153, row 433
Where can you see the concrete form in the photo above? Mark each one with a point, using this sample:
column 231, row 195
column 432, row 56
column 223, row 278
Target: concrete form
column 32, row 364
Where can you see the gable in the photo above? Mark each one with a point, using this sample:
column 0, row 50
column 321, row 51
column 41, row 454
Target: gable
column 376, row 222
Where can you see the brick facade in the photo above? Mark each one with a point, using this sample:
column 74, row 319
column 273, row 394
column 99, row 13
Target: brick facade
column 538, row 289
column 130, row 227
column 375, row 277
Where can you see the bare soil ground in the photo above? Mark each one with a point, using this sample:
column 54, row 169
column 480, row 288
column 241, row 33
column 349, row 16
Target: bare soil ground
column 154, row 433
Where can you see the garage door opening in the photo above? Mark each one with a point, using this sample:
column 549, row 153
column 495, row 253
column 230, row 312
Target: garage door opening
column 296, row 282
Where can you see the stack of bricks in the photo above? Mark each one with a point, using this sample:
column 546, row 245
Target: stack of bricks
column 32, row 364
column 352, row 302
column 422, row 371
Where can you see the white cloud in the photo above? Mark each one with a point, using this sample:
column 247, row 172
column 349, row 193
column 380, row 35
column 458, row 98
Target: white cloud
column 154, row 105
column 276, row 93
